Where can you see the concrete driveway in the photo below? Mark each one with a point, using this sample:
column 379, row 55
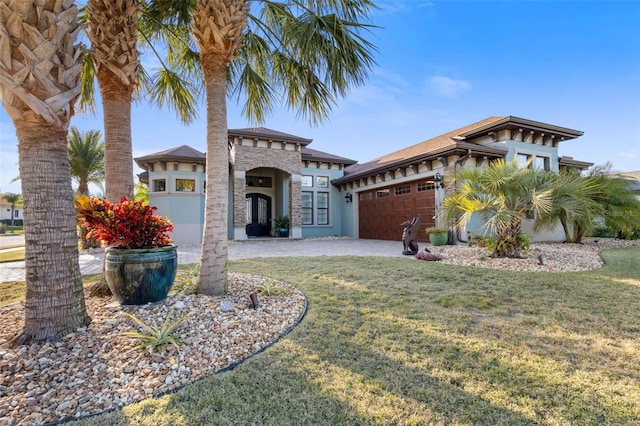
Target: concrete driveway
column 91, row 261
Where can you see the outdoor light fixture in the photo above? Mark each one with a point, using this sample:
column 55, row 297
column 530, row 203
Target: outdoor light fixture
column 437, row 179
column 348, row 197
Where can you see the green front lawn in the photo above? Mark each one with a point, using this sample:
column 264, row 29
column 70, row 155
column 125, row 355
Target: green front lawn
column 401, row 341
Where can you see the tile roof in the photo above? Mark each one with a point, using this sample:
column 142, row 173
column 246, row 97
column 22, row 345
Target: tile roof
column 442, row 143
column 309, row 154
column 264, row 133
column 181, row 153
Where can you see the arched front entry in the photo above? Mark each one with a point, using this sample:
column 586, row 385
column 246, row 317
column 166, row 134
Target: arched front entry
column 258, row 210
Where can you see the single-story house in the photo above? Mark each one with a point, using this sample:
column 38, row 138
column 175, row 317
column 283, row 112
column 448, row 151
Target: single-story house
column 6, row 212
column 274, row 174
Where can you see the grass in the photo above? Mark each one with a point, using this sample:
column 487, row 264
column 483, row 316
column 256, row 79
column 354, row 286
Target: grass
column 398, row 341
column 11, row 255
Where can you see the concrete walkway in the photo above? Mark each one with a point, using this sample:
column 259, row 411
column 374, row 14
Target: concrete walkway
column 91, row 262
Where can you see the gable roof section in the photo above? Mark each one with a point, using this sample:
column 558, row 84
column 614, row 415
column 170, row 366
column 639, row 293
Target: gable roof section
column 182, row 153
column 268, row 134
column 309, row 154
column 447, row 143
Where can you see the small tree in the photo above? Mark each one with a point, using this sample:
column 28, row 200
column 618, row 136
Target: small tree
column 503, row 195
column 12, row 199
column 86, row 158
column 579, row 202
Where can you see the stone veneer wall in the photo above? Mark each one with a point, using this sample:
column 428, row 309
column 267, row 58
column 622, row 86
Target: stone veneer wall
column 246, row 158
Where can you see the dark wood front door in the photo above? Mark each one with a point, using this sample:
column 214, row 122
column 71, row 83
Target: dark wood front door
column 258, row 208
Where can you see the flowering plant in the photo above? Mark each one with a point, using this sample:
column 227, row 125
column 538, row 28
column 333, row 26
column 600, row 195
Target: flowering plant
column 432, row 257
column 128, row 224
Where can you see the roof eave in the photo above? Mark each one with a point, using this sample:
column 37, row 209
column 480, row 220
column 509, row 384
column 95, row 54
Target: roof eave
column 461, row 148
column 521, row 122
column 278, row 138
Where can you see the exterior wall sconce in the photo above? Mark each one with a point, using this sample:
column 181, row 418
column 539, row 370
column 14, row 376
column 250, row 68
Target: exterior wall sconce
column 438, row 180
column 348, row 197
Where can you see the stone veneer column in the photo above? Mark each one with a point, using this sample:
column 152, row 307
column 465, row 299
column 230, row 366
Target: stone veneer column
column 239, row 205
column 295, row 206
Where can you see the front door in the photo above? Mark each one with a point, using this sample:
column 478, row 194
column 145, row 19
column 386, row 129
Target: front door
column 258, row 208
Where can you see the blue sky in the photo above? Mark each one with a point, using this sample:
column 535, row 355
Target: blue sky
column 445, row 64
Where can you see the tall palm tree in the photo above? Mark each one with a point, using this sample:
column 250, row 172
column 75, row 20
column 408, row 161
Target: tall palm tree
column 115, row 62
column 307, row 53
column 86, row 158
column 12, row 199
column 39, row 83
column 503, row 194
column 113, row 31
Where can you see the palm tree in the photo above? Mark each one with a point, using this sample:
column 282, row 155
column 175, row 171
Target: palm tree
column 39, row 83
column 12, row 199
column 113, row 31
column 86, row 158
column 115, row 63
column 503, row 195
column 306, row 53
column 580, row 202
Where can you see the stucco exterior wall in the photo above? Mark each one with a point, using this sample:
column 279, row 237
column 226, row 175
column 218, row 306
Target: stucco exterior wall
column 184, row 208
column 336, row 202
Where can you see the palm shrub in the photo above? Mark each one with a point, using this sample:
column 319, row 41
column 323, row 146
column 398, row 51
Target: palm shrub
column 583, row 204
column 503, row 194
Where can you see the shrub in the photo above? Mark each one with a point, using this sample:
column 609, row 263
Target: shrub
column 189, row 283
column 128, row 224
column 436, row 230
column 153, row 337
column 432, row 257
column 522, row 240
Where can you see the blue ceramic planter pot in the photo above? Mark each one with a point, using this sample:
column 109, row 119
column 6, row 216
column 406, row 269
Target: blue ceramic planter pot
column 139, row 276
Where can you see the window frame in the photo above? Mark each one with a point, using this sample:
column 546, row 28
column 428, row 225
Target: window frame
column 320, row 209
column 156, row 181
column 307, row 210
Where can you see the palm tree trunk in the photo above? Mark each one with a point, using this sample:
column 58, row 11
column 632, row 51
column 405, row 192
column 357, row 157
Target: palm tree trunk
column 507, row 244
column 118, row 155
column 54, row 304
column 213, row 258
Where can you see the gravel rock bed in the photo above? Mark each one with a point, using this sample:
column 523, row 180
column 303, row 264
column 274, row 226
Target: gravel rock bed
column 98, row 369
column 556, row 257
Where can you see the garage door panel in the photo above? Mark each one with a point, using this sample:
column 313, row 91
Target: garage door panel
column 381, row 218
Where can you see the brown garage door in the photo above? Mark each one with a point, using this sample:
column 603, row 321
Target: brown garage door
column 381, row 211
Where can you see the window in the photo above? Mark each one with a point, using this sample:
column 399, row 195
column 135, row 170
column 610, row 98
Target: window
column 382, row 193
column 542, row 163
column 185, row 185
column 307, row 181
column 426, row 185
column 259, row 181
column 366, row 196
column 403, row 189
column 323, row 208
column 159, row 185
column 523, row 159
column 322, row 181
column 307, row 208
column 16, row 213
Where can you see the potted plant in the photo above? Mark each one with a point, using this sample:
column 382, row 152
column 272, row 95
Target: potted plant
column 281, row 225
column 438, row 236
column 140, row 261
